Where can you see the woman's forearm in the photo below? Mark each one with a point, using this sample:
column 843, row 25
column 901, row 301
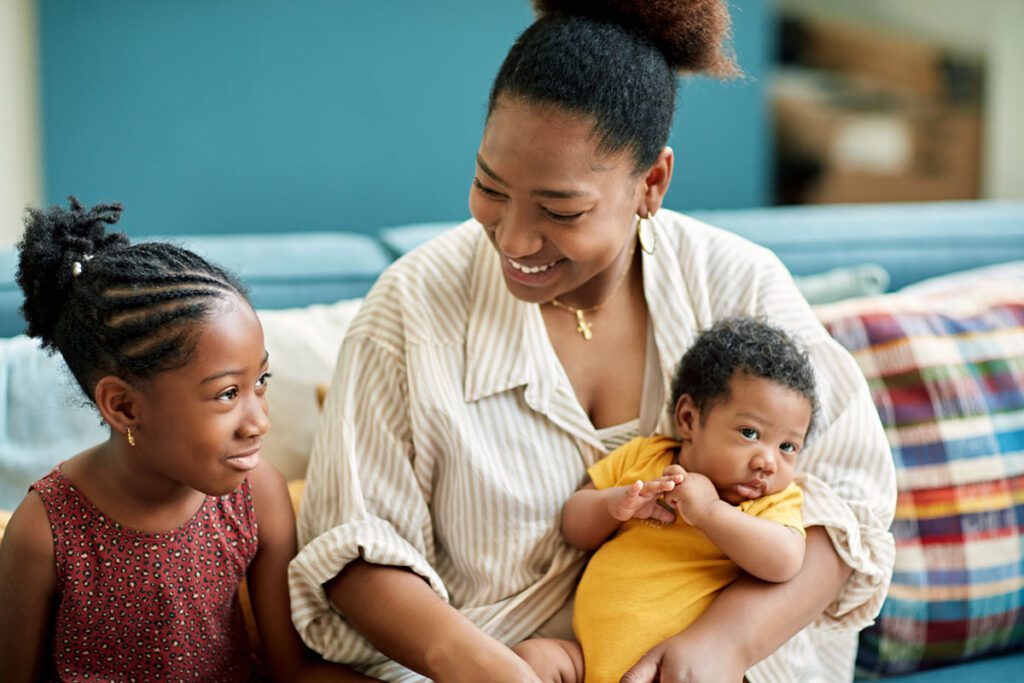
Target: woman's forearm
column 761, row 616
column 762, row 547
column 401, row 615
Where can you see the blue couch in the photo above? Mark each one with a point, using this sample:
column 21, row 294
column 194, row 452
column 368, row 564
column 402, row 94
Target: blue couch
column 859, row 248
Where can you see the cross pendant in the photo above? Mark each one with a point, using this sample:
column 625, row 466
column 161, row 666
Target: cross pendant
column 582, row 326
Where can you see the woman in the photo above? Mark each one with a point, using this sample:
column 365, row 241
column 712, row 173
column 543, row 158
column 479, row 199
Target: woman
column 490, row 368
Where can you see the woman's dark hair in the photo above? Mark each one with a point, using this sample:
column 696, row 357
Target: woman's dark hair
column 747, row 346
column 109, row 306
column 616, row 62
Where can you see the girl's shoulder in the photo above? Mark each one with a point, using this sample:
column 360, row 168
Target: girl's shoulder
column 270, row 496
column 27, row 540
column 54, row 490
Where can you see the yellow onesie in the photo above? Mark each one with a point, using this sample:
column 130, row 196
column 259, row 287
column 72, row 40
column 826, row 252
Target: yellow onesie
column 650, row 581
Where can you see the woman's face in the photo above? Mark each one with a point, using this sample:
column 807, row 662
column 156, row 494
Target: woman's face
column 559, row 213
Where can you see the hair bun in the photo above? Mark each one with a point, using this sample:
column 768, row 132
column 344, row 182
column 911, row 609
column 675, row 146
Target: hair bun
column 693, row 35
column 55, row 249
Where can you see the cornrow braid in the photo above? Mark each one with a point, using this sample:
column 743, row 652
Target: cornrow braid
column 109, row 306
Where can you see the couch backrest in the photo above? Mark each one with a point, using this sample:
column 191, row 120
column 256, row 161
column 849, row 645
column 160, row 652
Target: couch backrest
column 283, row 270
column 910, row 241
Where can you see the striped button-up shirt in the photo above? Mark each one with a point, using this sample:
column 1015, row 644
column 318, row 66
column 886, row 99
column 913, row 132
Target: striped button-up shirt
column 451, row 437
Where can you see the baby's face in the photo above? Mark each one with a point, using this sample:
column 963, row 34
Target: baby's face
column 747, row 445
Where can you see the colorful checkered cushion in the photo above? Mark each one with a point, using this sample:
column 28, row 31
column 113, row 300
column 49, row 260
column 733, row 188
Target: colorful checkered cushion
column 946, row 370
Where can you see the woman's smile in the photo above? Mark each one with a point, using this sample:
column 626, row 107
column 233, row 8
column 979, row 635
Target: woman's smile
column 532, row 276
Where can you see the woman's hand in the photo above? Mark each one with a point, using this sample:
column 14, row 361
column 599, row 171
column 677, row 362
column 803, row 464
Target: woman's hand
column 641, row 500
column 689, row 658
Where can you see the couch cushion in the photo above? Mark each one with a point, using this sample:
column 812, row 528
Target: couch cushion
column 303, row 344
column 946, row 370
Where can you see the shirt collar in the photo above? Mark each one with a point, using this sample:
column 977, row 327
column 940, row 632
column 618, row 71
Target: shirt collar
column 670, row 303
column 507, row 346
column 498, row 353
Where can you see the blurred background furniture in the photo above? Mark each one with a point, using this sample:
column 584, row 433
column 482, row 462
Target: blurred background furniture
column 250, row 117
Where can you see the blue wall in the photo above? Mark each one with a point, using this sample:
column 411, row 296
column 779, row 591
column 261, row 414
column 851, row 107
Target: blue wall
column 265, row 115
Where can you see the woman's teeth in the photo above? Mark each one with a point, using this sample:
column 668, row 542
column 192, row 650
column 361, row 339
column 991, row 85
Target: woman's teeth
column 531, row 270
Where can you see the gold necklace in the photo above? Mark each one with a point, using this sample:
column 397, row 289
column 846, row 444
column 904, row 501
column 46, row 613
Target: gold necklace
column 582, row 326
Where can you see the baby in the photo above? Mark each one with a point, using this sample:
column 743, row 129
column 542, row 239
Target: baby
column 673, row 521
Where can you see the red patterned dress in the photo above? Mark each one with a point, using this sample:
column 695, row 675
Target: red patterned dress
column 135, row 606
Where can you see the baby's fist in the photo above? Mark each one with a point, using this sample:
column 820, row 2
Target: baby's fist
column 693, row 497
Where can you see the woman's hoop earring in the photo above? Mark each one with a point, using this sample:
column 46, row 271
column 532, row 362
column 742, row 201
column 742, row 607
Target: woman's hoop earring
column 131, row 439
column 648, row 240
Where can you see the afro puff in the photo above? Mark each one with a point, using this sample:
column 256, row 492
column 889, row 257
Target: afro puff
column 693, row 35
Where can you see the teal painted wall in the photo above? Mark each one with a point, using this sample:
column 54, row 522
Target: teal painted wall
column 265, row 115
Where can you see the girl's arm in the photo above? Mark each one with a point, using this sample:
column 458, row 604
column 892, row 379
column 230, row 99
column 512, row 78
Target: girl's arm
column 762, row 547
column 591, row 515
column 401, row 615
column 28, row 591
column 286, row 655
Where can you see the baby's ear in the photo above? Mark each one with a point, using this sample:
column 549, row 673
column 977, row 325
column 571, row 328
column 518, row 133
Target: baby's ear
column 116, row 401
column 687, row 416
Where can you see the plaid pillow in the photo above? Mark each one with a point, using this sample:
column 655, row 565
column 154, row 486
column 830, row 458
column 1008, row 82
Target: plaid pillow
column 946, row 370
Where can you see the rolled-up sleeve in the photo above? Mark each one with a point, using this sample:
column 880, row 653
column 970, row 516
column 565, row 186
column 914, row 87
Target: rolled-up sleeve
column 363, row 497
column 850, row 481
column 850, row 490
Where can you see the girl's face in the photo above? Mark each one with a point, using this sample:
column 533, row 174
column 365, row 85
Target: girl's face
column 559, row 213
column 746, row 445
column 201, row 425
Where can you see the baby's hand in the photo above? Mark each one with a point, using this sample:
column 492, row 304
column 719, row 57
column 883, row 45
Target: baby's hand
column 640, row 501
column 674, row 472
column 693, row 497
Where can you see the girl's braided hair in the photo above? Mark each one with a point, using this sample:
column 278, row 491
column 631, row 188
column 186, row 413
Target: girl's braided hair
column 108, row 306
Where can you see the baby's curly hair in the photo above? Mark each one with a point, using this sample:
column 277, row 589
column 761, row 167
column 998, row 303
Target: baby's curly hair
column 742, row 345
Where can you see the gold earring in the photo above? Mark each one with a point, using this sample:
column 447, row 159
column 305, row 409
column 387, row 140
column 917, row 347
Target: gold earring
column 648, row 240
column 131, row 439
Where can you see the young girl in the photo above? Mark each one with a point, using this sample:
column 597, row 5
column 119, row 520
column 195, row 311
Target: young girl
column 124, row 562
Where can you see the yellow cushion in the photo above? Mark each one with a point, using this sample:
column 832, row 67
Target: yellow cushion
column 5, row 517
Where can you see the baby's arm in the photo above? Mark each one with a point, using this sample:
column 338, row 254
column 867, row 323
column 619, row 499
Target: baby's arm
column 591, row 515
column 763, row 548
column 28, row 591
column 286, row 655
